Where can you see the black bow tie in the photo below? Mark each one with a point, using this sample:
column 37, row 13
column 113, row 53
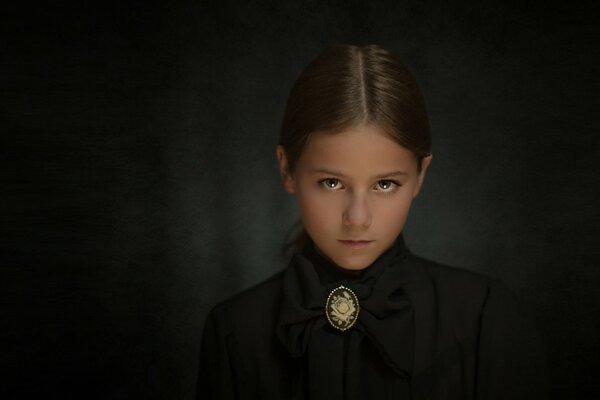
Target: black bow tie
column 385, row 317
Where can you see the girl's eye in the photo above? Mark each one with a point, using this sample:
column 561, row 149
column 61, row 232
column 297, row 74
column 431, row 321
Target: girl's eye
column 387, row 186
column 330, row 183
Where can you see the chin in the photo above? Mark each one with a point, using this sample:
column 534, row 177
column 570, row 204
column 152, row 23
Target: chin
column 355, row 263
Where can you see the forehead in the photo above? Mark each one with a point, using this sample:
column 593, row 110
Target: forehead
column 356, row 149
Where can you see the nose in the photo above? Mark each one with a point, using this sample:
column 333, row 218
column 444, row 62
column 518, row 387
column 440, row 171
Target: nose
column 357, row 212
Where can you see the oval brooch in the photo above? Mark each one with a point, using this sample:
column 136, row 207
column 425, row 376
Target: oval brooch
column 342, row 308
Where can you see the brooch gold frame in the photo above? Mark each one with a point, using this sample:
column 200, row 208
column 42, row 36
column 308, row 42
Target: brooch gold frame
column 342, row 308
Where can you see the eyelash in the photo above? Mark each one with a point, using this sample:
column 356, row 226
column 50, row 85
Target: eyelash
column 393, row 187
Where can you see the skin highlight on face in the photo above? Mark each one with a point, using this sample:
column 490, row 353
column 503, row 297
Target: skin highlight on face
column 357, row 185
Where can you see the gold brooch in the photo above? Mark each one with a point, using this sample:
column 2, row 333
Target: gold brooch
column 342, row 308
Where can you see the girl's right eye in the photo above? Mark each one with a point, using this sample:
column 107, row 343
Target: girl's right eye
column 330, row 183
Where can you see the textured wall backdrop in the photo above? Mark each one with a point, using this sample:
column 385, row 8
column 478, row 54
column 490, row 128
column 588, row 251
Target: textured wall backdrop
column 143, row 185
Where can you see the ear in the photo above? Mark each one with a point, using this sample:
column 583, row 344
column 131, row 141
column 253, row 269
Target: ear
column 287, row 178
column 424, row 164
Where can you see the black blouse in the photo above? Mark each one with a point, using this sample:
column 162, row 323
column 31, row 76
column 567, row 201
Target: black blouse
column 421, row 331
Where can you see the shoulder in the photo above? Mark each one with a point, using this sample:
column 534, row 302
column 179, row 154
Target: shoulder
column 256, row 295
column 451, row 277
column 463, row 301
column 462, row 288
column 256, row 306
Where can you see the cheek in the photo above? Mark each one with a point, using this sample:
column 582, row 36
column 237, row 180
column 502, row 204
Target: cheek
column 318, row 209
column 393, row 213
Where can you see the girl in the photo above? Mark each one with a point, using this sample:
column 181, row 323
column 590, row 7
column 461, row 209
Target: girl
column 356, row 315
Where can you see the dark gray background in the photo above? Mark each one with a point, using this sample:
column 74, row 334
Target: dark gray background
column 141, row 184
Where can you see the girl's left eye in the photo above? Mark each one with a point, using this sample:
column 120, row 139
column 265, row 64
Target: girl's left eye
column 387, row 186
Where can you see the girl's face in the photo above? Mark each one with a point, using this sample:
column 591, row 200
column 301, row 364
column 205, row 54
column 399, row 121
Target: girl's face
column 354, row 191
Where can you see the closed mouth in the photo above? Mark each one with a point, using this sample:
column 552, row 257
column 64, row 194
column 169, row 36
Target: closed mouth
column 356, row 244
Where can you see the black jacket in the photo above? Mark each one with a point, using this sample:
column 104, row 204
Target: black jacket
column 424, row 331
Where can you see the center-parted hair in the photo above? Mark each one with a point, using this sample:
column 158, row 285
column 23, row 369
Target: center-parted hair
column 348, row 86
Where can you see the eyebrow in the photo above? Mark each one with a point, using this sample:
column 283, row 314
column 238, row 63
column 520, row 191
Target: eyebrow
column 337, row 173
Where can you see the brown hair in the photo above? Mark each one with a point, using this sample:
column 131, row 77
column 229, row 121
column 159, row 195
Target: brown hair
column 346, row 86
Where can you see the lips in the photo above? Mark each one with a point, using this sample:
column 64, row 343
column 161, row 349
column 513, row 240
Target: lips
column 356, row 244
